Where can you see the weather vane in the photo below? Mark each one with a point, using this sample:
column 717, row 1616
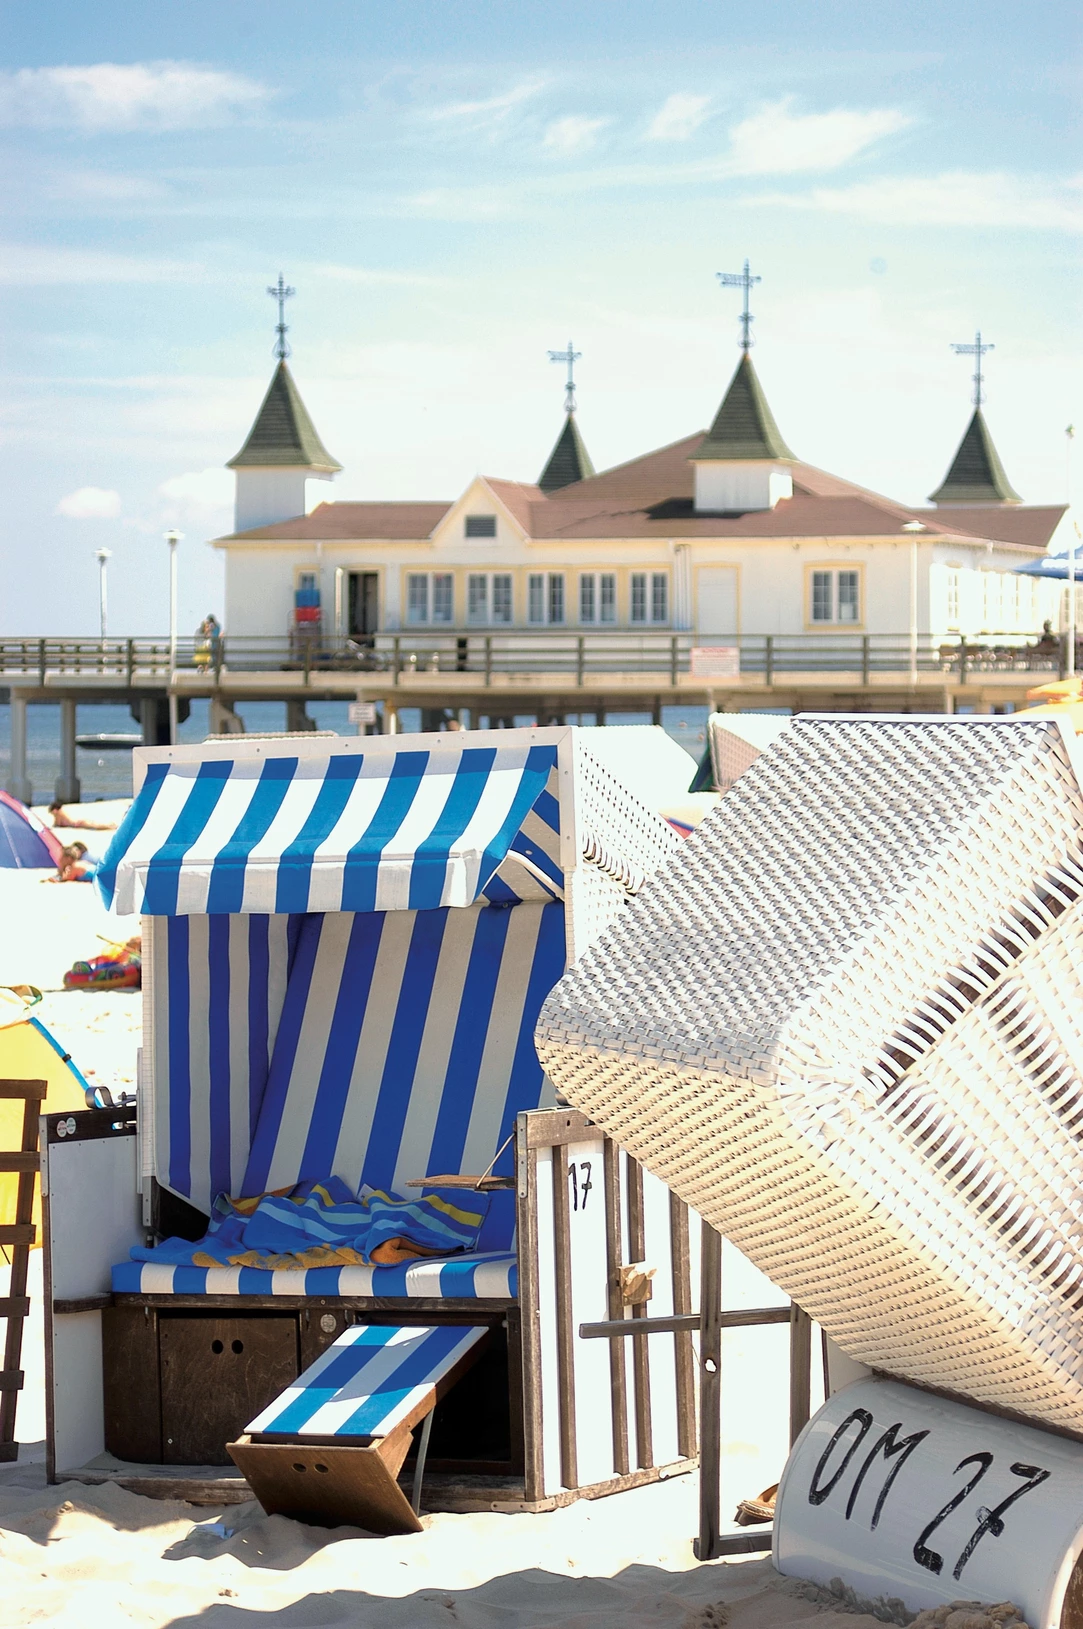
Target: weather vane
column 977, row 351
column 571, row 357
column 281, row 293
column 743, row 280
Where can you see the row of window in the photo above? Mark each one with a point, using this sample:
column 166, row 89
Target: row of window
column 430, row 598
column 1008, row 603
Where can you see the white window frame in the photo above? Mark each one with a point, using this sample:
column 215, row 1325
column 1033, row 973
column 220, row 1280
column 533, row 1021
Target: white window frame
column 648, row 598
column 601, row 590
column 953, row 599
column 488, row 597
column 438, row 586
column 546, row 601
column 825, row 593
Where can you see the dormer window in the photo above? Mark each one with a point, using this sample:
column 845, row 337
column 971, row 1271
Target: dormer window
column 481, row 526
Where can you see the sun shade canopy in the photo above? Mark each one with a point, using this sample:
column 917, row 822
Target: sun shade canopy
column 343, row 832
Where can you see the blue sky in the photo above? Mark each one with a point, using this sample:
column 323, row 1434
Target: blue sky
column 455, row 188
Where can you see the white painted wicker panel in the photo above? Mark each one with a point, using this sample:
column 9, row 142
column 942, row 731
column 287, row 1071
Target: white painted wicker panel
column 845, row 1027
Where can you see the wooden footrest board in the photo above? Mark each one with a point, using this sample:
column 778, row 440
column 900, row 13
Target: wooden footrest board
column 330, row 1447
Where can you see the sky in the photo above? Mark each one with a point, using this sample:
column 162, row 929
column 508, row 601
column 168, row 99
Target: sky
column 454, row 189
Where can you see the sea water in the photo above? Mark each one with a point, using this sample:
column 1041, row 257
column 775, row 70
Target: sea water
column 108, row 774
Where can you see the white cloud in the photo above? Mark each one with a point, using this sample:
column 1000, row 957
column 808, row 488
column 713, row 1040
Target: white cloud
column 126, row 96
column 90, row 503
column 573, row 134
column 369, row 276
column 679, row 117
column 489, row 109
column 199, row 492
column 36, row 264
column 955, row 198
column 775, row 141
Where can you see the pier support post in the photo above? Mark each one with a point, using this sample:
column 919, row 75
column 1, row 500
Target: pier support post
column 68, row 789
column 224, row 719
column 18, row 783
column 296, row 716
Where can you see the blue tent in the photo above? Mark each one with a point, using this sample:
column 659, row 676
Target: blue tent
column 25, row 844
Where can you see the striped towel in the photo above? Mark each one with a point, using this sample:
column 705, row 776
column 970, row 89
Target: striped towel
column 322, row 1224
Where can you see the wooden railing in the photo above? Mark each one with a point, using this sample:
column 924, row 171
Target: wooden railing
column 568, row 654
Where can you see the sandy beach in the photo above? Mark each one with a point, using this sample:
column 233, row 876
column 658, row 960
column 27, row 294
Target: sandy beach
column 74, row 1554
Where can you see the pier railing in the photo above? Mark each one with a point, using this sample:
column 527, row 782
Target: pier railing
column 570, row 655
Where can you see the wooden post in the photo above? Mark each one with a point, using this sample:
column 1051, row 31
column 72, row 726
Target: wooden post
column 680, row 1267
column 19, row 1237
column 618, row 1368
column 641, row 1358
column 562, row 1263
column 800, row 1371
column 710, row 1392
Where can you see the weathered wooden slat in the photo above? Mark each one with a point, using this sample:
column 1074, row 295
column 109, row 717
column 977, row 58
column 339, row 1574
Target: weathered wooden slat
column 32, row 1090
column 671, row 1324
column 526, row 1207
column 549, row 1128
column 641, row 1361
column 19, row 1160
column 684, row 1358
column 710, row 1392
column 800, row 1371
column 17, row 1232
column 14, row 1306
column 11, row 1380
column 614, row 1255
column 562, row 1265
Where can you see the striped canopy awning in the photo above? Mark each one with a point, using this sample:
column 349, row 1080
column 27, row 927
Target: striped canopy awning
column 349, row 831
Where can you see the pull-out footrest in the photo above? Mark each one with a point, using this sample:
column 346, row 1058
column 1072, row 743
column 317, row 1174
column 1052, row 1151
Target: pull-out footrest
column 330, row 1448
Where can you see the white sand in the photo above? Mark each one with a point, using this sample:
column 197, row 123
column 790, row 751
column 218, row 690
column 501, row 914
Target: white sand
column 84, row 1556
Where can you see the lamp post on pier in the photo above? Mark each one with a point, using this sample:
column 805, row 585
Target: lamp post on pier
column 172, row 538
column 103, row 556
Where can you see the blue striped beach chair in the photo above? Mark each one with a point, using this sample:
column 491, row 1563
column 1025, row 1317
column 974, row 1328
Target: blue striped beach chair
column 331, row 1446
column 347, row 944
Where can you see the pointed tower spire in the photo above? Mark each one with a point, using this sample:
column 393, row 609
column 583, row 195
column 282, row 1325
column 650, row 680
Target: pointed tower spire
column 283, row 435
column 742, row 463
column 569, row 460
column 976, row 474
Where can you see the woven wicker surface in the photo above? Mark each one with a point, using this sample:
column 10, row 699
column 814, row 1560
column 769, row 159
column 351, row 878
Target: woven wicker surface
column 845, row 1023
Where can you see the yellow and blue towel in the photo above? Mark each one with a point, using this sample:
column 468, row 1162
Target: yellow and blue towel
column 323, row 1224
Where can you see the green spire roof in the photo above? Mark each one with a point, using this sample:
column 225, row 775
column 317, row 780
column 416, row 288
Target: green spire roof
column 744, row 425
column 283, row 433
column 569, row 460
column 976, row 474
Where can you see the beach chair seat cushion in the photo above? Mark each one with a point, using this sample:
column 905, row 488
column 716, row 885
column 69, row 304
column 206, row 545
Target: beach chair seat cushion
column 482, row 1275
column 332, row 1444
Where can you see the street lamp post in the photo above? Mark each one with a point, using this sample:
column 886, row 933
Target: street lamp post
column 103, row 556
column 172, row 538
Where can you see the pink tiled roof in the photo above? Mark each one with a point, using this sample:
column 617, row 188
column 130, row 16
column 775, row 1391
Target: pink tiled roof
column 651, row 497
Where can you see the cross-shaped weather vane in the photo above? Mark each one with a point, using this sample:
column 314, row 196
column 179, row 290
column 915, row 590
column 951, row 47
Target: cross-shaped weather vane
column 977, row 351
column 743, row 280
column 571, row 357
column 281, row 293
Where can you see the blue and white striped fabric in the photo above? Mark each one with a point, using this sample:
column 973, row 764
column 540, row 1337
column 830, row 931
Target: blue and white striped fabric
column 483, row 1276
column 214, row 1001
column 373, row 1378
column 406, row 1047
column 365, row 830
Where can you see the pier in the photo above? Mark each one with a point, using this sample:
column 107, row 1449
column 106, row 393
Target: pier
column 494, row 677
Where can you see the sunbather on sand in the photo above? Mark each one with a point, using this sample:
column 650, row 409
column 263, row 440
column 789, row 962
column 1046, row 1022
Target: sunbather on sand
column 61, row 819
column 73, row 865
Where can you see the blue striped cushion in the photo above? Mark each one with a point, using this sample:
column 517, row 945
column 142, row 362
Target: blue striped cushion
column 367, row 1382
column 479, row 1277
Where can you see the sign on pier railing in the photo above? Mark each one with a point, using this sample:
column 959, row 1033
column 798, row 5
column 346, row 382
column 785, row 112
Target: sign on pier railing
column 714, row 661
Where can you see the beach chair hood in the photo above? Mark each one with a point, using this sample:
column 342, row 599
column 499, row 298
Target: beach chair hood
column 846, row 1025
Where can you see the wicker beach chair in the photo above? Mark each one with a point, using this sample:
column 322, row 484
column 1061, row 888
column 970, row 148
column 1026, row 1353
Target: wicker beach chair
column 846, row 1026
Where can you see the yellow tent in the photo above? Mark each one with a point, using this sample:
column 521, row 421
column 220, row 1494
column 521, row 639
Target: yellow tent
column 29, row 1052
